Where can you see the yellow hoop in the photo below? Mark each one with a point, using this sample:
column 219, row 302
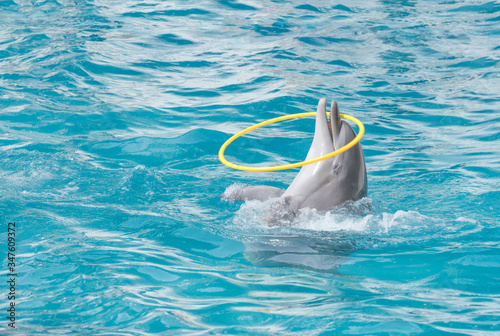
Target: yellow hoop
column 293, row 165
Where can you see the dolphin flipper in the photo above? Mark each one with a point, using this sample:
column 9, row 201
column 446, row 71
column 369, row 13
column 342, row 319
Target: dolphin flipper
column 261, row 193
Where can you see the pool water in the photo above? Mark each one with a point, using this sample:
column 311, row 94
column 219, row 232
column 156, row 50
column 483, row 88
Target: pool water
column 112, row 114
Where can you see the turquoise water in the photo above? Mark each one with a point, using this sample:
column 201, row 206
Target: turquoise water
column 112, row 113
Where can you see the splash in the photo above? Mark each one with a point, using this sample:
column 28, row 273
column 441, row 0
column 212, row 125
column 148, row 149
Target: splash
column 362, row 220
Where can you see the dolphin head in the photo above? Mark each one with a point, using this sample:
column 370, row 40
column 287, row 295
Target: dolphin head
column 329, row 182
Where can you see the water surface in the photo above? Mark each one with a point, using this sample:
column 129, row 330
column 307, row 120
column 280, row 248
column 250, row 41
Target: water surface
column 112, row 114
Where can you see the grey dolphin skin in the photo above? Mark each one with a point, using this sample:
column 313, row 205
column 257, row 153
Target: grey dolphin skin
column 321, row 185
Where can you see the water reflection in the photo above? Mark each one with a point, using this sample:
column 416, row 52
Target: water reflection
column 318, row 254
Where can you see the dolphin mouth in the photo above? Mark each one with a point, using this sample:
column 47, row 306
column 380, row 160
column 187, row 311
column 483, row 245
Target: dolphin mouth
column 334, row 123
column 330, row 127
column 326, row 130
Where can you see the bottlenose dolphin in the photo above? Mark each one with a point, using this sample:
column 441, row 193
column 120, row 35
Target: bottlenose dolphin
column 321, row 185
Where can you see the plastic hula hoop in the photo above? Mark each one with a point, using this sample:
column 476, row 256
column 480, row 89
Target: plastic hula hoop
column 292, row 165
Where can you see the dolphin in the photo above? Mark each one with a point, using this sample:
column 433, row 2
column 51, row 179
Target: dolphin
column 321, row 185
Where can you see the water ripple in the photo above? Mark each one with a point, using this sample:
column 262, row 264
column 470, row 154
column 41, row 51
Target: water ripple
column 112, row 114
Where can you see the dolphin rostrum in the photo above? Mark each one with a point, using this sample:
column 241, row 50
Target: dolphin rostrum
column 321, row 185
